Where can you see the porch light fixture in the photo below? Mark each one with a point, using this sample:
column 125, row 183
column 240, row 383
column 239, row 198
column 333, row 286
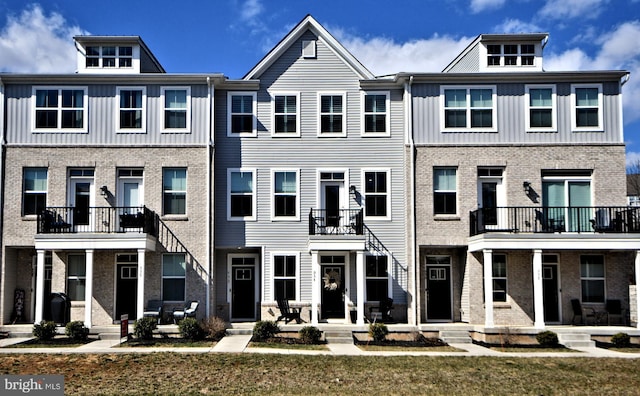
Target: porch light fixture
column 352, row 190
column 104, row 191
column 527, row 187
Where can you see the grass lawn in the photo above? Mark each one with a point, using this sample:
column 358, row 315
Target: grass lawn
column 56, row 342
column 515, row 348
column 167, row 343
column 226, row 374
column 282, row 345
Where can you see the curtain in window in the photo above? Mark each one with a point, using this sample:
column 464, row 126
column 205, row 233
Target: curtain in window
column 445, row 179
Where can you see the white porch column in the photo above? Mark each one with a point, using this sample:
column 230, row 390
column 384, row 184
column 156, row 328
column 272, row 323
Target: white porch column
column 140, row 286
column 360, row 288
column 39, row 286
column 538, row 302
column 88, row 289
column 315, row 288
column 488, row 287
column 637, row 302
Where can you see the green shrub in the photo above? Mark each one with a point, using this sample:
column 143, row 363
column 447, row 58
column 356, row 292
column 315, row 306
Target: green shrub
column 265, row 329
column 378, row 331
column 44, row 331
column 143, row 328
column 76, row 330
column 191, row 329
column 621, row 340
column 310, row 335
column 547, row 338
column 215, row 328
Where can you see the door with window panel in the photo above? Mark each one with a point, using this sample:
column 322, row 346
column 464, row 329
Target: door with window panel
column 567, row 204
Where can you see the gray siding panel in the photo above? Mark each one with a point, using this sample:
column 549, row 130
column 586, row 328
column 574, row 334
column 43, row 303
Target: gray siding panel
column 469, row 63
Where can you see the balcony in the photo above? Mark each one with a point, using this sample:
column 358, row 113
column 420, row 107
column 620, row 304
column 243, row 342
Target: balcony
column 336, row 222
column 98, row 220
column 588, row 219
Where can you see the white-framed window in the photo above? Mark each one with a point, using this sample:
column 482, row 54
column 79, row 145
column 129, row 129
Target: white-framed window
column 109, row 56
column 540, row 102
column 499, row 274
column 76, row 276
column 375, row 113
column 377, row 185
column 174, row 276
column 377, row 277
column 176, row 115
column 34, row 190
column 174, row 191
column 509, row 55
column 285, row 275
column 332, row 119
column 592, row 278
column 444, row 191
column 586, row 114
column 468, row 109
column 242, row 119
column 285, row 194
column 57, row 109
column 131, row 115
column 286, row 109
column 309, row 49
column 241, row 203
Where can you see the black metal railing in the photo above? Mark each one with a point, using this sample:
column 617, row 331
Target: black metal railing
column 94, row 219
column 619, row 219
column 336, row 222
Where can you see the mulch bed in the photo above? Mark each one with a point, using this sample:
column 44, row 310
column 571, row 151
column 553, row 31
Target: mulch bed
column 419, row 341
column 283, row 340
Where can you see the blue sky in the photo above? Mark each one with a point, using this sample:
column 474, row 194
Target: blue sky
column 231, row 36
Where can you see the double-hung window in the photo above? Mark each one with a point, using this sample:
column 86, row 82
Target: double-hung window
column 285, row 276
column 131, row 115
column 174, row 191
column 444, row 191
column 541, row 107
column 376, row 193
column 240, row 186
column 587, row 107
column 34, row 191
column 285, row 115
column 241, row 119
column 177, row 109
column 332, row 115
column 377, row 277
column 60, row 109
column 174, row 274
column 285, row 194
column 592, row 277
column 499, row 273
column 76, row 277
column 375, row 113
column 468, row 108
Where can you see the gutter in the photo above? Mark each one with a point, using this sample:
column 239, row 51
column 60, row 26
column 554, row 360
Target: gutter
column 3, row 140
column 623, row 81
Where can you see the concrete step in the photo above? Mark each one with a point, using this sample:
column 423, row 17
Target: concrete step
column 455, row 336
column 576, row 340
column 234, row 331
column 338, row 337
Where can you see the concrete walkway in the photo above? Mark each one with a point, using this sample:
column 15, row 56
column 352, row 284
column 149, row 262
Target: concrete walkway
column 239, row 344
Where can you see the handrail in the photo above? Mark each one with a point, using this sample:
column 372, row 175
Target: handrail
column 336, row 222
column 97, row 219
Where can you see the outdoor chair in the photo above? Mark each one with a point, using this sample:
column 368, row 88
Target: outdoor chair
column 614, row 309
column 153, row 310
column 584, row 313
column 287, row 313
column 189, row 311
column 382, row 311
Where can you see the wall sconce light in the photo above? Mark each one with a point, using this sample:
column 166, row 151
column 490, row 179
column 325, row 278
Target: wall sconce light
column 104, row 191
column 352, row 190
column 527, row 187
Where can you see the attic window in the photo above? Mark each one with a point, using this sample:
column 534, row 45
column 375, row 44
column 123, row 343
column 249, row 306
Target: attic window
column 510, row 55
column 309, row 49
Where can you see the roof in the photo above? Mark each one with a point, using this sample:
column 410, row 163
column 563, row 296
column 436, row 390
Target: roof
column 307, row 23
column 131, row 40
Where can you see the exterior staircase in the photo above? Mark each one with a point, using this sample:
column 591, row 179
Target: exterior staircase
column 455, row 336
column 338, row 336
column 576, row 340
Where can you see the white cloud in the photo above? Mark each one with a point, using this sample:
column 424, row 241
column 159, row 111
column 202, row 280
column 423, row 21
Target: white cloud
column 384, row 56
column 562, row 9
column 37, row 43
column 250, row 10
column 633, row 159
column 517, row 26
column 478, row 6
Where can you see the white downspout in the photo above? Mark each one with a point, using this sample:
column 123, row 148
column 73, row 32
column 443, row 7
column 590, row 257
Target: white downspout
column 414, row 279
column 209, row 233
column 620, row 112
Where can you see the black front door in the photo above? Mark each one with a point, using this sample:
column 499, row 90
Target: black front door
column 243, row 292
column 126, row 291
column 332, row 202
column 439, row 293
column 489, row 203
column 550, row 293
column 332, row 287
column 81, row 203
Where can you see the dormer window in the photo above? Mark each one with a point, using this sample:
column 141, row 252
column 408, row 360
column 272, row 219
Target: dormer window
column 510, row 55
column 107, row 57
